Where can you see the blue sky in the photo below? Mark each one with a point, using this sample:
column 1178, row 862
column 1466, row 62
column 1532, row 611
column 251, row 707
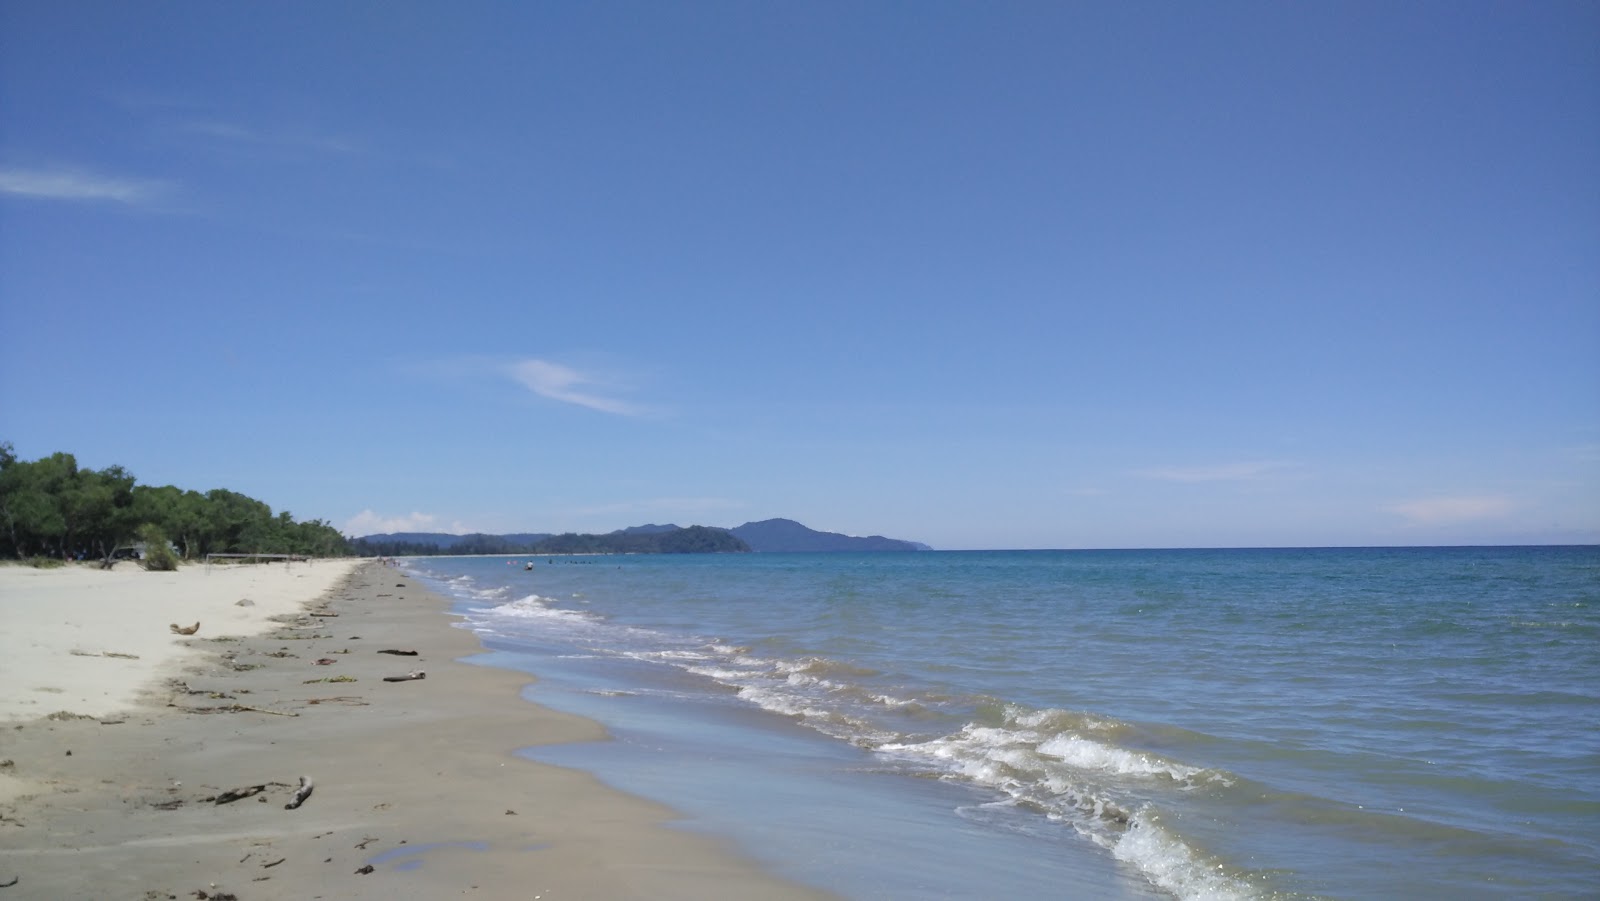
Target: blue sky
column 976, row 274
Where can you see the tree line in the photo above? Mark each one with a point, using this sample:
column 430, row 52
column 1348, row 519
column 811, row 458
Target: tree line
column 690, row 540
column 52, row 507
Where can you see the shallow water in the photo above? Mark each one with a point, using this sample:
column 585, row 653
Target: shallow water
column 1370, row 723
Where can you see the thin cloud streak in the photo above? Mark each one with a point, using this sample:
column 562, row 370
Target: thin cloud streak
column 1227, row 472
column 1437, row 511
column 74, row 185
column 562, row 383
column 369, row 522
column 238, row 134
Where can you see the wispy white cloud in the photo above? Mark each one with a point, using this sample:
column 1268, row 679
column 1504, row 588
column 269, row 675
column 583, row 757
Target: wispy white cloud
column 283, row 140
column 1439, row 511
column 68, row 184
column 368, row 522
column 1585, row 453
column 1226, row 472
column 568, row 385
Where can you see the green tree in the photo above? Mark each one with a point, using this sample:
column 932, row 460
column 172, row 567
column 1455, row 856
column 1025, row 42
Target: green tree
column 28, row 508
column 179, row 513
column 51, row 506
column 44, row 495
column 100, row 511
column 158, row 555
column 234, row 523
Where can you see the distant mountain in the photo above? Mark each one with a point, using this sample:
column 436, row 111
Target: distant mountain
column 780, row 535
column 526, row 537
column 442, row 539
column 446, row 540
column 771, row 535
column 647, row 529
column 674, row 540
column 641, row 540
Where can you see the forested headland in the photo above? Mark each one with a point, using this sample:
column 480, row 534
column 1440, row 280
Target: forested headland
column 676, row 540
column 53, row 508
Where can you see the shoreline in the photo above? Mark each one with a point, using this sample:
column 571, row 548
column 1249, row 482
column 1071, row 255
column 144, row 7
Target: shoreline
column 414, row 782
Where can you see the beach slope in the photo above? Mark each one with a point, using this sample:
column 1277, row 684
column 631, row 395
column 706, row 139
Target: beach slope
column 176, row 774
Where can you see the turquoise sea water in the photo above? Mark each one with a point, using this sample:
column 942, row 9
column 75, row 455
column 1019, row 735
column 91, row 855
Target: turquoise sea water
column 1329, row 723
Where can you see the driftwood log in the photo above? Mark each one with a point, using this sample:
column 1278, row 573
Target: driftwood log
column 408, row 677
column 398, row 653
column 300, row 794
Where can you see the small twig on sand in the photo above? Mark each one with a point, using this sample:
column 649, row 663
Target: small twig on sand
column 264, row 710
column 398, row 653
column 232, row 708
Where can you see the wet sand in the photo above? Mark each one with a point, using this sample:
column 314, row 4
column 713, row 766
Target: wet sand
column 413, row 779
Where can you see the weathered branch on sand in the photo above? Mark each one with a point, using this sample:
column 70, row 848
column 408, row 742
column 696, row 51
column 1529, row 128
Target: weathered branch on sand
column 300, row 794
column 419, row 674
column 236, row 794
column 233, row 708
column 398, row 653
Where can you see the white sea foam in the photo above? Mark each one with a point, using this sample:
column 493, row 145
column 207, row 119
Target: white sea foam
column 532, row 606
column 1075, row 780
column 1173, row 865
column 725, row 676
column 1092, row 755
column 667, row 656
column 777, row 702
column 821, row 665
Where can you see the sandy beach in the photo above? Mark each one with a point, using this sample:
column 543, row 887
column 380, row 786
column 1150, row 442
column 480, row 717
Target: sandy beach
column 124, row 745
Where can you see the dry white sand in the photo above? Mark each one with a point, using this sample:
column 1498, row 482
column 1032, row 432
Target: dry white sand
column 57, row 626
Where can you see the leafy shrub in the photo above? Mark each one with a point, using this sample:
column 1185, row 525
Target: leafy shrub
column 46, row 562
column 158, row 555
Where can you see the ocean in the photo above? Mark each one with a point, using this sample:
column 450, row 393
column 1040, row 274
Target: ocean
column 1194, row 724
